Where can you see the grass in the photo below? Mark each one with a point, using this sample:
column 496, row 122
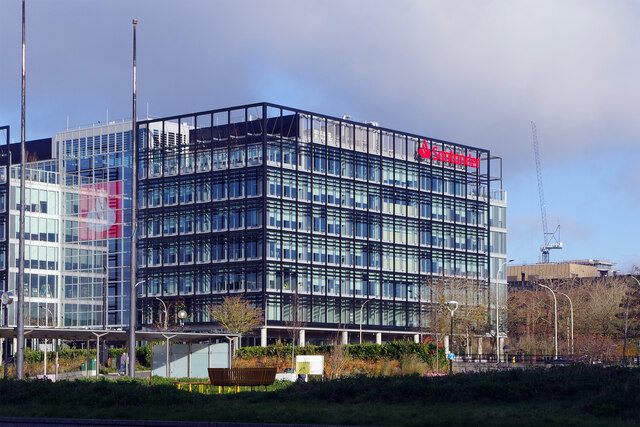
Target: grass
column 568, row 396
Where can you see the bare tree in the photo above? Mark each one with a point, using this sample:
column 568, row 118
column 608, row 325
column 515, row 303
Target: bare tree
column 471, row 317
column 601, row 316
column 337, row 359
column 295, row 323
column 237, row 315
column 166, row 314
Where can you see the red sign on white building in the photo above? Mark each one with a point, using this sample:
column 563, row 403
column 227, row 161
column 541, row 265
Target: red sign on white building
column 100, row 210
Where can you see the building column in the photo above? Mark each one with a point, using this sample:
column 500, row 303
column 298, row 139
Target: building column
column 416, row 338
column 446, row 344
column 301, row 338
column 499, row 349
column 345, row 338
column 263, row 337
column 379, row 338
column 479, row 346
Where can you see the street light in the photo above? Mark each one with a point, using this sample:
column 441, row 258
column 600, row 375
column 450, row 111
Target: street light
column 361, row 308
column 182, row 314
column 497, row 311
column 166, row 314
column 6, row 299
column 452, row 306
column 571, row 307
column 555, row 306
column 626, row 319
column 46, row 323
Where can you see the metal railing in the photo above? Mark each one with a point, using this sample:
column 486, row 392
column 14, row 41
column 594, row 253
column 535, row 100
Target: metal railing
column 547, row 359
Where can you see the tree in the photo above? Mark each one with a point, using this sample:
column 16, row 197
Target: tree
column 237, row 315
column 603, row 309
column 167, row 314
column 470, row 318
column 529, row 323
column 295, row 322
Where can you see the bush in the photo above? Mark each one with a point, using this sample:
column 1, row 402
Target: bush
column 411, row 364
column 372, row 352
column 143, row 354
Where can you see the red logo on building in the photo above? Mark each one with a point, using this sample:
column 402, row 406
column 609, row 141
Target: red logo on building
column 424, row 151
column 447, row 156
column 100, row 211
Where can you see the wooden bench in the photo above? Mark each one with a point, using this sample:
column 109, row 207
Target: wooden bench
column 236, row 377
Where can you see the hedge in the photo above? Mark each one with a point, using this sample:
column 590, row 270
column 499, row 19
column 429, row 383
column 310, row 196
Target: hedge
column 143, row 354
column 389, row 351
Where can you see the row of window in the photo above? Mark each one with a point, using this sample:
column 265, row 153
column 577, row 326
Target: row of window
column 327, row 310
column 312, row 278
column 361, row 167
column 349, row 194
column 37, row 200
column 218, row 127
column 220, row 280
column 214, row 219
column 41, row 229
column 385, row 257
column 468, row 214
column 202, row 251
column 158, row 163
column 216, row 188
column 95, row 145
column 83, row 287
column 39, row 285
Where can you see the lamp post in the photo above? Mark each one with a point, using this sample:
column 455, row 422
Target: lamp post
column 166, row 314
column 182, row 314
column 626, row 319
column 46, row 323
column 452, row 306
column 498, row 310
column 362, row 308
column 571, row 307
column 134, row 221
column 555, row 306
column 6, row 299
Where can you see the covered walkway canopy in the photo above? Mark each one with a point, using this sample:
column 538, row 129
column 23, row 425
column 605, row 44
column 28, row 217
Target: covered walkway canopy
column 113, row 335
column 78, row 334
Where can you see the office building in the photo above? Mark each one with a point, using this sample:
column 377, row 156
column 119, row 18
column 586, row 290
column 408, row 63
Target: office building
column 350, row 224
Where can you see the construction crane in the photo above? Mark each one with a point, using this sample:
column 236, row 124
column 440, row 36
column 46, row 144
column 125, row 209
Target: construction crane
column 550, row 239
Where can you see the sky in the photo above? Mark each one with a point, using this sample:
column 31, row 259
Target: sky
column 470, row 72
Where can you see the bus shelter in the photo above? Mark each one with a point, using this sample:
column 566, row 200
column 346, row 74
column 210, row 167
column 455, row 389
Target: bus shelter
column 89, row 335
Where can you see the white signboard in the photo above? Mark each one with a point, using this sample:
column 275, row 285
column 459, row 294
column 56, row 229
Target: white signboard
column 316, row 364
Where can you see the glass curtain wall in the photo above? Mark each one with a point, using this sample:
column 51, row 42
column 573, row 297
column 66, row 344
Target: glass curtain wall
column 293, row 208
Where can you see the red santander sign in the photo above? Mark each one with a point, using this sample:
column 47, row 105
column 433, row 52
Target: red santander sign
column 447, row 156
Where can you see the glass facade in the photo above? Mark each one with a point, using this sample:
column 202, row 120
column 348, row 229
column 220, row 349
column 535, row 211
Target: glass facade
column 281, row 205
column 104, row 153
column 65, row 251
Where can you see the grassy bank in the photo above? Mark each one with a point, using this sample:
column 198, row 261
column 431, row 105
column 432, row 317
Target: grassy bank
column 576, row 395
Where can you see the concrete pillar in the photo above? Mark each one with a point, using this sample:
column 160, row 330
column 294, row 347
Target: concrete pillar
column 416, row 338
column 379, row 338
column 499, row 349
column 479, row 346
column 301, row 338
column 263, row 337
column 345, row 337
column 446, row 344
